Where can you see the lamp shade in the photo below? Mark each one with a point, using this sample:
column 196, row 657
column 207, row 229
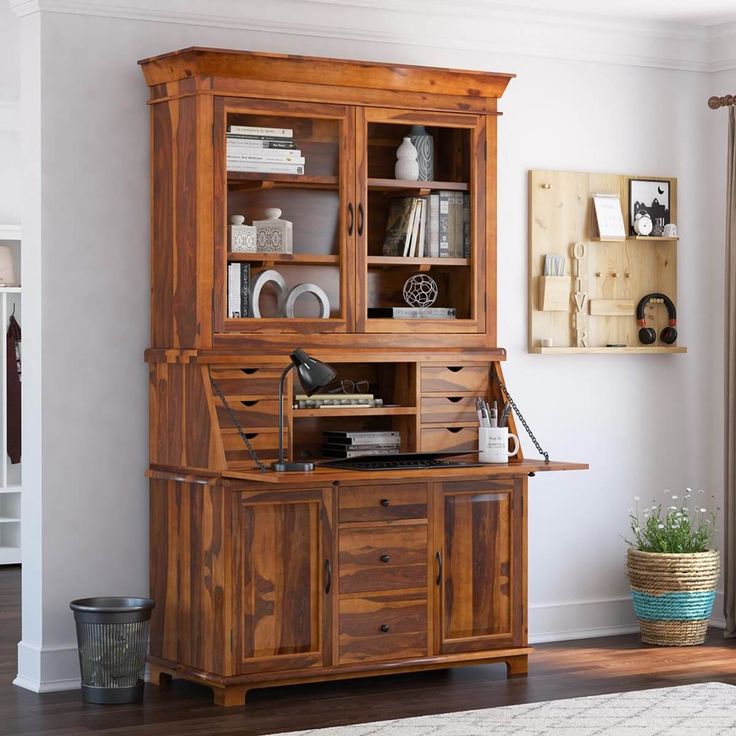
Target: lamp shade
column 313, row 374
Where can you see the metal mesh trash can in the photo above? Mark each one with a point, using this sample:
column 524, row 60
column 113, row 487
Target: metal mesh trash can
column 112, row 635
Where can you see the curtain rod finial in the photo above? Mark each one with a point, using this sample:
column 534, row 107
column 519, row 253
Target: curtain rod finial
column 714, row 103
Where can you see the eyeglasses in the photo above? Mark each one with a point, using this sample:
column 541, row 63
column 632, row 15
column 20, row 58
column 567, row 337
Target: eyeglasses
column 348, row 386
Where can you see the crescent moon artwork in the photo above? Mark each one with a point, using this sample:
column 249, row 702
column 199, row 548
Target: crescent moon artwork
column 660, row 190
column 650, row 197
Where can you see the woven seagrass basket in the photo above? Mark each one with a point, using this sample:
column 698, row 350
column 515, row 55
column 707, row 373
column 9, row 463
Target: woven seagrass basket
column 673, row 595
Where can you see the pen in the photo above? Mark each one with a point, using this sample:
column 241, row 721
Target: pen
column 494, row 414
column 479, row 411
column 505, row 415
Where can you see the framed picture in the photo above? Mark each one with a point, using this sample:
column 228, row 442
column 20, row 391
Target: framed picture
column 650, row 196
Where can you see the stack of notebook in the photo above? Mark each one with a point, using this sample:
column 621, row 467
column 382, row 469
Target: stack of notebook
column 352, row 444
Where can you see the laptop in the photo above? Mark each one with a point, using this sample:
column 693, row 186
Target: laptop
column 403, row 461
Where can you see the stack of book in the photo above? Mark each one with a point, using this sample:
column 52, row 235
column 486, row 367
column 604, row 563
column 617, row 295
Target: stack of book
column 353, row 444
column 433, row 226
column 238, row 290
column 263, row 150
column 319, row 401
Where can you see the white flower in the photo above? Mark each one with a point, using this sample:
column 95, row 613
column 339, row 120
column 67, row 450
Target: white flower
column 674, row 497
column 636, row 529
column 672, row 508
column 660, row 526
column 654, row 508
column 702, row 511
column 689, row 490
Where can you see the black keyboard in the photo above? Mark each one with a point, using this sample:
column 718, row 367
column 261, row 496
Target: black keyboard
column 400, row 461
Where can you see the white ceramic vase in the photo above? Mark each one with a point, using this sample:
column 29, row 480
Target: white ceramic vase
column 407, row 167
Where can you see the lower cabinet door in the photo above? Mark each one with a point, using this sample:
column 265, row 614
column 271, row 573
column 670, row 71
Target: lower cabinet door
column 283, row 580
column 480, row 565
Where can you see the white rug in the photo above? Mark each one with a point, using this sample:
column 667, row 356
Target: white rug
column 691, row 710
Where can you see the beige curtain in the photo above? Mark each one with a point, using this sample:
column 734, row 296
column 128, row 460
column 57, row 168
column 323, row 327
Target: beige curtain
column 729, row 603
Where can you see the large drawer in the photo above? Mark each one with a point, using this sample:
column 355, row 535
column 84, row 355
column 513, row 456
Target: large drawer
column 382, row 503
column 382, row 558
column 452, row 439
column 449, row 379
column 382, row 627
column 446, row 409
column 247, row 382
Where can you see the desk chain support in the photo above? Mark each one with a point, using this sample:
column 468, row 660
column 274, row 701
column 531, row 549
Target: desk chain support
column 528, row 429
column 234, row 419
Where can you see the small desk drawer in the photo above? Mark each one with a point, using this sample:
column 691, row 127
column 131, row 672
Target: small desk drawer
column 455, row 378
column 266, row 445
column 444, row 409
column 389, row 558
column 452, row 439
column 382, row 627
column 247, row 381
column 249, row 412
column 382, row 503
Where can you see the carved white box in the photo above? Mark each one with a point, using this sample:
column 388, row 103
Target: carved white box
column 273, row 234
column 243, row 238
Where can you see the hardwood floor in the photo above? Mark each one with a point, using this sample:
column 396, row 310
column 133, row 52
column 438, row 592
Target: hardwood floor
column 562, row 670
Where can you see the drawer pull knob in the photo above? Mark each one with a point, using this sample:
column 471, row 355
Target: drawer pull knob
column 385, row 558
column 385, row 502
column 385, row 628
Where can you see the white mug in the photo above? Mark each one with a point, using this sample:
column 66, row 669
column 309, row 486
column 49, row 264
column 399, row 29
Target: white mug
column 670, row 230
column 493, row 443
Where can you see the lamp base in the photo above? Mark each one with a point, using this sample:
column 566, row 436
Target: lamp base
column 284, row 467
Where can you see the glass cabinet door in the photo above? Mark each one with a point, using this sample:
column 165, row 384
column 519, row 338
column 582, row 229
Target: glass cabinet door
column 283, row 220
column 421, row 227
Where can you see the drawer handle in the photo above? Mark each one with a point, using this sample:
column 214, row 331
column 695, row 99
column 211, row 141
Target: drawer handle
column 438, row 559
column 248, row 403
column 328, row 577
column 385, row 558
column 454, row 368
column 249, row 371
column 385, row 502
column 454, row 399
column 455, row 430
column 251, row 435
column 385, row 628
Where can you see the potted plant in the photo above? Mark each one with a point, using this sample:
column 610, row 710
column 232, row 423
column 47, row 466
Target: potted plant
column 672, row 569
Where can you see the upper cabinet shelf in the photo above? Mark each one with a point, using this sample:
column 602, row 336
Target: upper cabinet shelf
column 320, row 146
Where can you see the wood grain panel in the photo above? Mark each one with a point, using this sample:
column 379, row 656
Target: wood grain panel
column 248, row 381
column 480, row 530
column 382, row 502
column 449, row 379
column 280, row 550
column 382, row 558
column 187, row 574
column 446, row 409
column 249, row 412
column 380, row 627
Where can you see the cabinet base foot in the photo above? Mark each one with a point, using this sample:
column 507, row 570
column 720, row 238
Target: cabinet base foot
column 230, row 696
column 517, row 666
column 158, row 675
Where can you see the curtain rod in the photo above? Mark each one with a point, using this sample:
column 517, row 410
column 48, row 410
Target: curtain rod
column 726, row 101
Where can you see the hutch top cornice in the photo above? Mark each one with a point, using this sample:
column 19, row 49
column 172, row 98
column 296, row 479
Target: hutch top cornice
column 221, row 71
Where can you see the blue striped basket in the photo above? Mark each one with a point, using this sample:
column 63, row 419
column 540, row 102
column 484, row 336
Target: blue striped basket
column 673, row 595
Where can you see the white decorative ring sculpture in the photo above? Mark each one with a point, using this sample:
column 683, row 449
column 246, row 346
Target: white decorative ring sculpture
column 270, row 276
column 313, row 289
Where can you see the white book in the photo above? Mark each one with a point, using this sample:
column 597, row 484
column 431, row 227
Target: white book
column 415, row 229
column 410, row 228
column 234, row 157
column 265, row 168
column 422, row 230
column 258, row 130
column 233, row 289
column 434, row 226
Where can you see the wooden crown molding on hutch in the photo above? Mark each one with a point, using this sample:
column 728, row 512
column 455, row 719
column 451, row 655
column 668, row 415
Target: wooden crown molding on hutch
column 504, row 28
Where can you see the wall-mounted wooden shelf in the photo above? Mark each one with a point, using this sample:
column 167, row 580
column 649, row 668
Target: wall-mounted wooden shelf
column 612, row 270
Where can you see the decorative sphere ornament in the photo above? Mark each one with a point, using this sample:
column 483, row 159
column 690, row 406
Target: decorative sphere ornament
column 420, row 291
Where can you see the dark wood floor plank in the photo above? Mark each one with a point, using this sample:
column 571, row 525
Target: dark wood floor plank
column 560, row 670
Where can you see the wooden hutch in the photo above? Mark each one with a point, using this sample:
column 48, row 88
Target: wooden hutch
column 264, row 578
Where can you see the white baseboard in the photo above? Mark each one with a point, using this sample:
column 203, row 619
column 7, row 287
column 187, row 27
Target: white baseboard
column 47, row 669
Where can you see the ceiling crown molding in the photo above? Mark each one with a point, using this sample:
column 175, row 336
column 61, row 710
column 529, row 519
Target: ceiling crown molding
column 496, row 29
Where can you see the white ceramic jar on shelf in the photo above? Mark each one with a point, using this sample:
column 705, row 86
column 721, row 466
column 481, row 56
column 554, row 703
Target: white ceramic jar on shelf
column 242, row 236
column 273, row 234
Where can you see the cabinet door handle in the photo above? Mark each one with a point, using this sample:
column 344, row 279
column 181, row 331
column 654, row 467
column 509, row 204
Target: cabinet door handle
column 328, row 577
column 385, row 558
column 385, row 628
column 438, row 559
column 385, row 502
column 361, row 218
column 351, row 218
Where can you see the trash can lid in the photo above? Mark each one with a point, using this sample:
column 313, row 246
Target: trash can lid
column 112, row 604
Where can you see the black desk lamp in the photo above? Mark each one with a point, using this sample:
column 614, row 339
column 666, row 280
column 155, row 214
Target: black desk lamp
column 313, row 375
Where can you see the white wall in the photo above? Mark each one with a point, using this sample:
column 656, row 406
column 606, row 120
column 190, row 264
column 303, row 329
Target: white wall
column 10, row 161
column 644, row 423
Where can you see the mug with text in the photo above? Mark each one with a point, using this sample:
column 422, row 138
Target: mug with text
column 493, row 443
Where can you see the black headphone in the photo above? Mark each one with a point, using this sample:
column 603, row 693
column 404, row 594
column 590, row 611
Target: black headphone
column 647, row 335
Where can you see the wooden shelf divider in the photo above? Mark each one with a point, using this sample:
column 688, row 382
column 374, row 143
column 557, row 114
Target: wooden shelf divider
column 401, row 261
column 304, row 259
column 393, row 185
column 258, row 180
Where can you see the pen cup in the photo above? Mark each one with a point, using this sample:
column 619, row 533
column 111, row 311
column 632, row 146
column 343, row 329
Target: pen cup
column 493, row 443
